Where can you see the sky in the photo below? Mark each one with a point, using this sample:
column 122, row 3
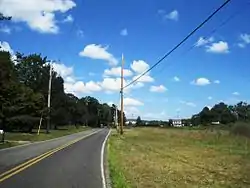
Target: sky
column 86, row 40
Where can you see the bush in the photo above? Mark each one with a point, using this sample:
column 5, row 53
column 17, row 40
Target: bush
column 242, row 129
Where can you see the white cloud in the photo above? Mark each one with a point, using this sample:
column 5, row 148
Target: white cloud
column 159, row 88
column 80, row 87
column 5, row 29
column 95, row 51
column 201, row 81
column 111, row 85
column 203, row 41
column 39, row 15
column 139, row 66
column 188, row 103
column 245, row 39
column 241, row 45
column 80, row 33
column 124, row 32
column 69, row 79
column 144, row 78
column 131, row 111
column 69, row 18
column 236, row 93
column 210, row 98
column 174, row 15
column 217, row 81
column 5, row 46
column 218, row 47
column 116, row 71
column 63, row 70
column 91, row 74
column 132, row 102
column 177, row 79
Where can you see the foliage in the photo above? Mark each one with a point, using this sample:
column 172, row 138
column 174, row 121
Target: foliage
column 138, row 121
column 24, row 92
column 241, row 129
column 223, row 113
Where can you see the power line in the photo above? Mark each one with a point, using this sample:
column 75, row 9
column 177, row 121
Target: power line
column 232, row 16
column 180, row 43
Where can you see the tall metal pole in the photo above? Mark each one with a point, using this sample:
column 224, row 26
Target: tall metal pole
column 49, row 96
column 121, row 127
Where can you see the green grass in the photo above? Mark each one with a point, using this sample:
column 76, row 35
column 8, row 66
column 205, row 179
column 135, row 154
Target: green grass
column 154, row 157
column 13, row 137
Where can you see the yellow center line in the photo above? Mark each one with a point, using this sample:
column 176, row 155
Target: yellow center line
column 35, row 160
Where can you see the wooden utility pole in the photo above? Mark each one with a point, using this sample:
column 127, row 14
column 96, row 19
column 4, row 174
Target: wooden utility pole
column 121, row 127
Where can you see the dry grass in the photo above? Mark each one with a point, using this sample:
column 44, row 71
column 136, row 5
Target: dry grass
column 152, row 157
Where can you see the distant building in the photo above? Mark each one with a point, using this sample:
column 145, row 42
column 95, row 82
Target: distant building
column 177, row 123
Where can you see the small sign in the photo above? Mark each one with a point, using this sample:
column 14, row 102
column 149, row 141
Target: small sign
column 1, row 131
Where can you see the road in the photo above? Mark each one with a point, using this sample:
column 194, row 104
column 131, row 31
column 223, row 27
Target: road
column 77, row 165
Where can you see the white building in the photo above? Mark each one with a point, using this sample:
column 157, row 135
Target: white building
column 177, row 123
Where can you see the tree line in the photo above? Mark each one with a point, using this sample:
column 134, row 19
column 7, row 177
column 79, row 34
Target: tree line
column 23, row 97
column 223, row 113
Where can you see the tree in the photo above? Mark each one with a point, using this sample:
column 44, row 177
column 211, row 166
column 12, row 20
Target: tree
column 138, row 121
column 2, row 17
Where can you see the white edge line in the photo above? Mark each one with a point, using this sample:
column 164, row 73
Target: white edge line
column 102, row 160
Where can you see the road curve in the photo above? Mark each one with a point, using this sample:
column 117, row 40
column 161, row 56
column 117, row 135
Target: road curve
column 78, row 165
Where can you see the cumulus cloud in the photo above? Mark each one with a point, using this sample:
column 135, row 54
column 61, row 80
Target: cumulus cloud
column 144, row 78
column 210, row 98
column 63, row 70
column 116, row 71
column 38, row 15
column 124, row 32
column 177, row 79
column 203, row 41
column 217, row 81
column 201, row 82
column 159, row 89
column 5, row 46
column 218, row 47
column 132, row 102
column 139, row 66
column 80, row 87
column 80, row 33
column 236, row 93
column 174, row 15
column 95, row 51
column 69, row 18
column 244, row 40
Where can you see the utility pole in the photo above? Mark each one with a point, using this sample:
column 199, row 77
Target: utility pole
column 121, row 127
column 49, row 96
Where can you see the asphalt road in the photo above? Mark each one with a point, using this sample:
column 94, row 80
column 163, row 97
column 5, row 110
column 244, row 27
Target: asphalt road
column 78, row 165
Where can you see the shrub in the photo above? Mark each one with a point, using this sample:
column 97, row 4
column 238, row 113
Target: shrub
column 242, row 129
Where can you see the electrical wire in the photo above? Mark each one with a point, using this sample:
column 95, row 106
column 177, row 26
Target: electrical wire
column 226, row 21
column 180, row 43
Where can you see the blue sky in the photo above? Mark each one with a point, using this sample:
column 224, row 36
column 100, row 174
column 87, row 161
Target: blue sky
column 87, row 37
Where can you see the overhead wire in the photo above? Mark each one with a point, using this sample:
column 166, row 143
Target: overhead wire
column 223, row 23
column 180, row 43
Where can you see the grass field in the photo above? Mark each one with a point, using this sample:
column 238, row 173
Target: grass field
column 154, row 157
column 17, row 136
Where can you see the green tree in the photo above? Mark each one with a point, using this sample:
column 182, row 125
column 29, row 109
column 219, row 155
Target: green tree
column 138, row 121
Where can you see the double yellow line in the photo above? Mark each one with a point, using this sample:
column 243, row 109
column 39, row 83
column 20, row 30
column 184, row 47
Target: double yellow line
column 35, row 160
